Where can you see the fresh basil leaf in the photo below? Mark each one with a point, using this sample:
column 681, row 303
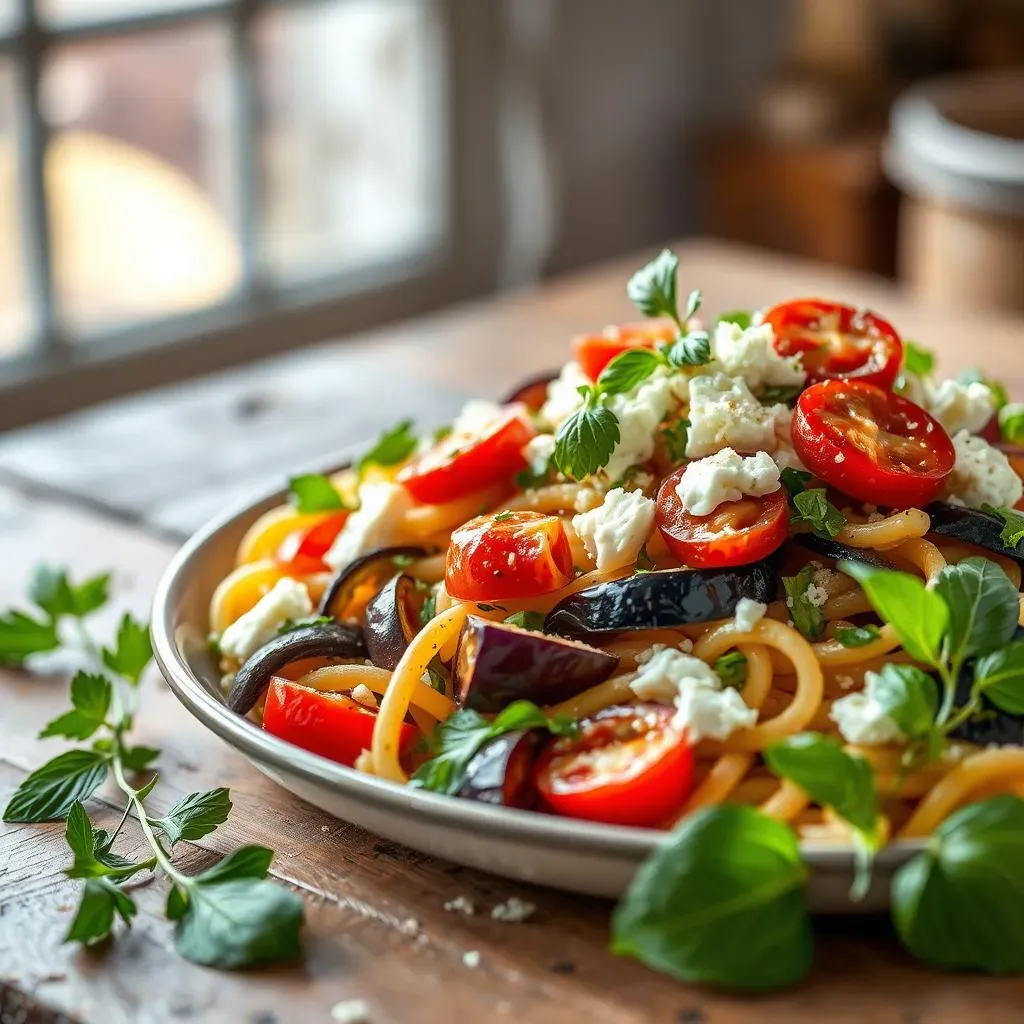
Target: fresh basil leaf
column 675, row 438
column 239, row 923
column 1000, row 676
column 652, row 289
column 910, row 698
column 1011, row 423
column 532, row 621
column 742, row 318
column 807, row 617
column 245, row 862
column 138, row 759
column 392, row 447
column 1013, row 524
column 313, row 492
column 959, row 904
column 195, row 815
column 627, row 371
column 731, row 668
column 692, row 349
column 133, row 650
column 858, row 636
column 794, row 480
column 50, row 589
column 917, row 360
column 918, row 616
column 22, row 635
column 585, row 441
column 94, row 918
column 90, row 700
column 983, row 607
column 290, row 625
column 813, row 508
column 52, row 789
column 721, row 902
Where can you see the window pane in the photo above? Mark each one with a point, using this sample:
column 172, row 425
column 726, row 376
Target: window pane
column 352, row 133
column 79, row 10
column 138, row 176
column 15, row 318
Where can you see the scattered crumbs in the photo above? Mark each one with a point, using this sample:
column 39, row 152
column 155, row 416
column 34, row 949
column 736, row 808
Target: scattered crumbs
column 410, row 926
column 325, row 828
column 816, row 596
column 460, row 905
column 513, row 910
column 789, row 602
column 351, row 1011
column 845, row 682
column 471, row 958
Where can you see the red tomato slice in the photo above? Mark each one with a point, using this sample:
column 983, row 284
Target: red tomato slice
column 595, row 351
column 871, row 444
column 736, row 533
column 511, row 554
column 329, row 724
column 626, row 766
column 462, row 463
column 302, row 552
column 837, row 341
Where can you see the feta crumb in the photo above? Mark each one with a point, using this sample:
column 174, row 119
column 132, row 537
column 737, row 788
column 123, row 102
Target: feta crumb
column 538, row 452
column 982, row 475
column 845, row 682
column 785, row 455
column 724, row 413
column 960, row 406
column 477, row 417
column 410, row 926
column 513, row 910
column 382, row 506
column 862, row 719
column 750, row 354
column 639, row 412
column 351, row 1011
column 460, row 905
column 587, row 498
column 471, row 958
column 749, row 613
column 288, row 599
column 362, row 694
column 827, row 579
column 563, row 395
column 840, row 458
column 614, row 532
column 816, row 596
column 725, row 476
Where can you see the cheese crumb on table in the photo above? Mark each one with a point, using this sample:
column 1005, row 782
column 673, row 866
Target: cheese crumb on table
column 351, row 1011
column 471, row 958
column 460, row 905
column 513, row 910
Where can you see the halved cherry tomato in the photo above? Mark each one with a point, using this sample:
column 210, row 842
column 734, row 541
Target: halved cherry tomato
column 511, row 554
column 595, row 351
column 736, row 533
column 302, row 551
column 837, row 341
column 1015, row 456
column 871, row 444
column 462, row 463
column 626, row 766
column 329, row 724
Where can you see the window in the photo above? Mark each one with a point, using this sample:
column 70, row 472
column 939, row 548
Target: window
column 189, row 183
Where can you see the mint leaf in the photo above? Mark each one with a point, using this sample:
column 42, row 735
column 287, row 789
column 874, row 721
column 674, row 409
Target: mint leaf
column 1000, row 676
column 585, row 441
column 132, row 652
column 313, row 492
column 917, row 360
column 808, row 618
column 52, row 789
column 692, row 349
column 1011, row 423
column 813, row 508
column 245, row 862
column 731, row 668
column 675, row 438
column 90, row 700
column 794, row 480
column 94, row 918
column 21, row 635
column 393, row 446
column 652, row 289
column 627, row 371
column 910, row 698
column 90, row 847
column 195, row 815
column 858, row 636
column 139, row 758
column 983, row 607
column 1013, row 524
column 51, row 590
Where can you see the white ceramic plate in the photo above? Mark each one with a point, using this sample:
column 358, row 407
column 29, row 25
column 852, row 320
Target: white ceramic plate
column 572, row 855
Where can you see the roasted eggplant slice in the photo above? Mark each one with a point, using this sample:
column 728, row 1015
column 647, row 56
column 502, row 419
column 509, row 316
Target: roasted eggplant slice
column 972, row 527
column 501, row 771
column 532, row 392
column 661, row 600
column 392, row 620
column 379, row 563
column 840, row 552
column 497, row 663
column 332, row 640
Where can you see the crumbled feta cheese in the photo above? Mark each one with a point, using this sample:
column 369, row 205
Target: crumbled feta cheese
column 703, row 707
column 513, row 910
column 862, row 719
column 351, row 1011
column 471, row 959
column 982, row 475
column 362, row 694
column 724, row 413
column 382, row 507
column 587, row 498
column 639, row 412
column 410, row 926
column 960, row 406
column 538, row 452
column 839, row 459
column 288, row 599
column 725, row 476
column 845, row 682
column 476, row 417
column 784, row 455
column 460, row 905
column 614, row 532
column 751, row 354
column 816, row 596
column 563, row 395
column 827, row 579
column 749, row 613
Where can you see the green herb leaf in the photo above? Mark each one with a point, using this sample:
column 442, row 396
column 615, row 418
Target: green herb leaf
column 1011, row 423
column 960, row 903
column 290, row 625
column 532, row 621
column 919, row 616
column 313, row 492
column 52, row 789
column 813, row 508
column 676, row 438
column 245, row 862
column 692, row 349
column 1013, row 524
column 910, row 698
column 721, row 902
column 794, row 480
column 652, row 289
column 917, row 360
column 731, row 668
column 22, row 635
column 783, row 394
column 195, row 815
column 975, row 376
column 808, row 618
column 983, row 607
column 858, row 636
column 90, row 699
column 585, row 441
column 1000, row 676
column 503, row 517
column 429, row 607
column 742, row 318
column 644, row 562
column 393, row 446
column 94, row 918
column 239, row 923
column 693, row 301
column 51, row 590
column 627, row 371
column 133, row 650
column 90, row 862
column 138, row 759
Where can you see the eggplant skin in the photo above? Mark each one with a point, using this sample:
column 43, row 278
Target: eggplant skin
column 389, row 626
column 326, row 641
column 342, row 585
column 532, row 392
column 496, row 664
column 662, row 600
column 501, row 771
column 972, row 527
column 840, row 552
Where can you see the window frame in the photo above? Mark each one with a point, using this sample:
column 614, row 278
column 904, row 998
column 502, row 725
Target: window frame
column 54, row 374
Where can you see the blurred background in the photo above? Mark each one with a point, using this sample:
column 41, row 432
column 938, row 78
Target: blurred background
column 191, row 184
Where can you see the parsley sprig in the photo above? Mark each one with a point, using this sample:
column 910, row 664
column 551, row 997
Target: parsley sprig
column 229, row 915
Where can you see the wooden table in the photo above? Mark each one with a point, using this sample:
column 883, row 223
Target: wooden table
column 116, row 488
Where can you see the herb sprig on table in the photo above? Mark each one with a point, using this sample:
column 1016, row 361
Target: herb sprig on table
column 229, row 915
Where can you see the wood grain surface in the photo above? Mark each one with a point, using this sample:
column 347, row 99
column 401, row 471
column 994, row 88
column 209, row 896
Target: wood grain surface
column 376, row 924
